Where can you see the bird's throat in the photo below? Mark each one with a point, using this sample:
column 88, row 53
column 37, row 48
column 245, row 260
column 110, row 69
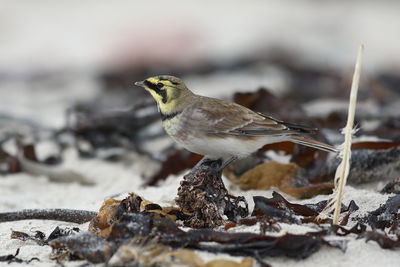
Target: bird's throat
column 169, row 116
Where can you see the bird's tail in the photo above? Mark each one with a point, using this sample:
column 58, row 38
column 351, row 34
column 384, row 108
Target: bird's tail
column 314, row 144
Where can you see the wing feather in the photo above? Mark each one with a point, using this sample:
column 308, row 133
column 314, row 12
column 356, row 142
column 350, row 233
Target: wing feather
column 218, row 117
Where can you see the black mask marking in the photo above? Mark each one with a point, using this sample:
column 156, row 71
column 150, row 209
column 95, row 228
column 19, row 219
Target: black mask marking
column 158, row 91
column 165, row 117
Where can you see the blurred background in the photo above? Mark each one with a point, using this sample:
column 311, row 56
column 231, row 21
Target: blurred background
column 54, row 54
column 70, row 67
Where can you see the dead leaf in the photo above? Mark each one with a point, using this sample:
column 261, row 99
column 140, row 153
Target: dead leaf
column 279, row 175
column 101, row 224
column 265, row 176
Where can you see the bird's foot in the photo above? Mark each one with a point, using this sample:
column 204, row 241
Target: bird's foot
column 226, row 163
column 207, row 163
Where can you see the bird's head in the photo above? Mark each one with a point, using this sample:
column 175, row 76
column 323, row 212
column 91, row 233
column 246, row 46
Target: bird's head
column 169, row 92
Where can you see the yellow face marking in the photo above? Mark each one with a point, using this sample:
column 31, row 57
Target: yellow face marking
column 156, row 96
column 153, row 80
column 169, row 88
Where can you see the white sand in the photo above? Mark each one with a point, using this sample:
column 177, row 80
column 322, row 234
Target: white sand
column 24, row 191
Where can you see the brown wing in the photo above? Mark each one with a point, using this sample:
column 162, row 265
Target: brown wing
column 221, row 117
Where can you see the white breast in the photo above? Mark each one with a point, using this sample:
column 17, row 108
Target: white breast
column 227, row 147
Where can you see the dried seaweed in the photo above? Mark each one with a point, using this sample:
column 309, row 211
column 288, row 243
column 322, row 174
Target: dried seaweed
column 82, row 246
column 350, row 209
column 113, row 210
column 144, row 224
column 265, row 102
column 382, row 239
column 279, row 202
column 266, row 224
column 385, row 216
column 279, row 209
column 245, row 244
column 130, row 219
column 66, row 215
column 203, row 195
column 109, row 129
column 358, row 229
column 148, row 252
column 393, row 187
column 60, row 232
column 370, row 165
column 8, row 163
column 10, row 258
column 40, row 238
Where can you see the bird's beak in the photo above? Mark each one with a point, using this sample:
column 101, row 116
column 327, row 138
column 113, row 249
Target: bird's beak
column 141, row 83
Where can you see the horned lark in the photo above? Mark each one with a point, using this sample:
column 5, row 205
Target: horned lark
column 216, row 128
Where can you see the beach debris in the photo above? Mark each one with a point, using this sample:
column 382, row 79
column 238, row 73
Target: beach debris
column 357, row 229
column 352, row 207
column 54, row 174
column 60, row 232
column 11, row 258
column 107, row 215
column 374, row 165
column 342, row 171
column 278, row 209
column 387, row 215
column 98, row 129
column 265, row 102
column 147, row 252
column 9, row 164
column 135, row 231
column 84, row 245
column 203, row 195
column 265, row 176
column 66, row 215
column 279, row 202
column 286, row 177
column 298, row 246
column 40, row 237
column 266, row 224
column 392, row 187
column 162, row 230
column 112, row 210
column 382, row 239
column 30, row 164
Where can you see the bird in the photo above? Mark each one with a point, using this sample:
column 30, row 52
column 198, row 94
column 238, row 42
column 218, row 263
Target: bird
column 219, row 129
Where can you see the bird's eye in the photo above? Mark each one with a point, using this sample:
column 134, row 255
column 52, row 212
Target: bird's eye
column 160, row 85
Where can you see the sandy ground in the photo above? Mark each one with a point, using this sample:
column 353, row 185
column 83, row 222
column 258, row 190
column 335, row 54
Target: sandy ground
column 24, row 191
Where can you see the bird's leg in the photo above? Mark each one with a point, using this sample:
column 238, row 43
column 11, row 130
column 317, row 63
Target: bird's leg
column 227, row 162
column 204, row 160
column 207, row 162
column 217, row 165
